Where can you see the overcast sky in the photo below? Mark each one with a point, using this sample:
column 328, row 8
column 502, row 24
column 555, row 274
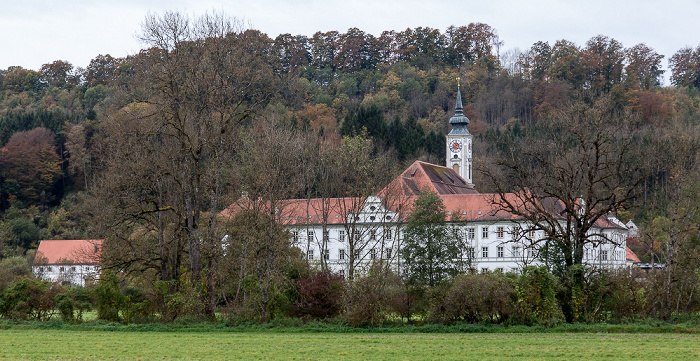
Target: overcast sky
column 36, row 32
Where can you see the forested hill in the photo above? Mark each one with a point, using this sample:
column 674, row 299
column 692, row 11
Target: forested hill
column 398, row 88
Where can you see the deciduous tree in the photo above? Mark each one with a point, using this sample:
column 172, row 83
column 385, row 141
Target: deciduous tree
column 199, row 80
column 685, row 67
column 586, row 164
column 30, row 161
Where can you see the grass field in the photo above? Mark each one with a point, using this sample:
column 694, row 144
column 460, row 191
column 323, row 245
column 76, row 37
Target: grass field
column 18, row 344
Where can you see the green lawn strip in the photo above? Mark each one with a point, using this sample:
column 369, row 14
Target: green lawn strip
column 647, row 326
column 87, row 345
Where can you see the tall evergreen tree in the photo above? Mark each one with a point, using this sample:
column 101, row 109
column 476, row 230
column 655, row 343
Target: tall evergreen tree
column 431, row 250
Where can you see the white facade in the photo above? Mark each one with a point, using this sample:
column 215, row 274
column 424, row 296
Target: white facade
column 75, row 274
column 488, row 246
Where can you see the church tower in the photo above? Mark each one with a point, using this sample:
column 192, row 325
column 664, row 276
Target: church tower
column 459, row 142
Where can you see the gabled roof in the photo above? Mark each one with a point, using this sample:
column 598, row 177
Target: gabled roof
column 77, row 251
column 459, row 197
column 441, row 180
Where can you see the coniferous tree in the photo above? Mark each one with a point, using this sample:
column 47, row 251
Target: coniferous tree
column 431, row 249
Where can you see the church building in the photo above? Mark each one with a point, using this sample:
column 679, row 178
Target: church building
column 348, row 235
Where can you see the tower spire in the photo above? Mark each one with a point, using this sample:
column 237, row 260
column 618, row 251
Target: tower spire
column 459, row 141
column 459, row 121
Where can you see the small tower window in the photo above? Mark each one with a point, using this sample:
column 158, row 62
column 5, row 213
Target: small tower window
column 455, row 156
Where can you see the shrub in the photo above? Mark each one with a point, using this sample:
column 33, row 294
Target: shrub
column 536, row 297
column 65, row 305
column 28, row 298
column 626, row 296
column 320, row 295
column 476, row 298
column 406, row 300
column 109, row 297
column 367, row 297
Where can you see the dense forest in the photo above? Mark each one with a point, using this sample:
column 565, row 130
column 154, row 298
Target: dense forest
column 148, row 149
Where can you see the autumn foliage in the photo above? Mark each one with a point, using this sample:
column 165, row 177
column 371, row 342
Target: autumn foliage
column 30, row 164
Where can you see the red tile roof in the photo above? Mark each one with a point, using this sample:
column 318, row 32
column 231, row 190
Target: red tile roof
column 457, row 195
column 302, row 211
column 78, row 251
column 440, row 180
column 475, row 207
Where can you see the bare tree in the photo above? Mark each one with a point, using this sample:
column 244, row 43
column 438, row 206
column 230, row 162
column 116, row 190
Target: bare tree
column 584, row 164
column 200, row 79
column 363, row 170
column 269, row 175
column 672, row 234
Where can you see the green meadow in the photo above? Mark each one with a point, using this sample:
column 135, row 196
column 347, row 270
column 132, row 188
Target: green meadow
column 31, row 344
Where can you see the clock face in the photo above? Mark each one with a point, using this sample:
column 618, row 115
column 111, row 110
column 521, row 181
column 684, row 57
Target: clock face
column 455, row 145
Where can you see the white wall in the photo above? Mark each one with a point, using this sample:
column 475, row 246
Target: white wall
column 503, row 252
column 74, row 274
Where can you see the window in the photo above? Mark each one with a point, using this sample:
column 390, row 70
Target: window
column 61, row 269
column 326, row 254
column 532, row 233
column 529, row 253
column 603, row 255
column 516, row 231
column 470, row 252
column 372, row 254
column 470, row 233
column 341, row 254
column 311, row 236
column 342, row 273
column 499, row 269
column 341, row 236
column 484, row 270
column 325, row 236
column 484, row 252
column 388, row 253
column 500, row 232
column 310, row 254
column 72, row 269
column 50, row 269
column 41, row 269
column 484, row 232
column 387, row 234
column 373, row 235
column 516, row 251
column 357, row 254
column 499, row 250
column 295, row 236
